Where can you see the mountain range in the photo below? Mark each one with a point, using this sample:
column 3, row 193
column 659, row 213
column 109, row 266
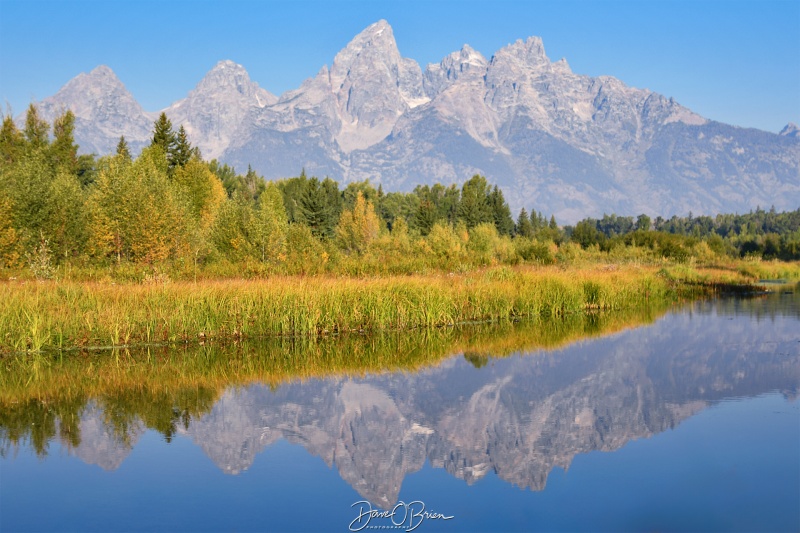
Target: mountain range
column 553, row 140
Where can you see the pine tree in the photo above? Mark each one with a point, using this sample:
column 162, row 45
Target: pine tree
column 474, row 208
column 164, row 137
column 425, row 217
column 524, row 227
column 182, row 152
column 501, row 213
column 315, row 209
column 122, row 148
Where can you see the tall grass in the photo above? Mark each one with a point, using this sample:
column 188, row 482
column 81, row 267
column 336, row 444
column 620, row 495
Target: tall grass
column 163, row 386
column 60, row 315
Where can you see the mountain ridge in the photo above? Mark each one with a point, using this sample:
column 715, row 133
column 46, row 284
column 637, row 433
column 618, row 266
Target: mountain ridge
column 568, row 143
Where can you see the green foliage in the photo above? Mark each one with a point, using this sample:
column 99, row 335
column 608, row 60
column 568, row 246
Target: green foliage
column 168, row 207
column 12, row 141
column 163, row 134
column 269, row 226
column 305, row 253
column 36, row 130
column 136, row 213
column 182, row 151
column 524, row 228
column 231, row 230
column 475, row 208
column 64, row 151
column 501, row 214
column 358, row 227
column 482, row 243
column 122, row 148
column 319, row 206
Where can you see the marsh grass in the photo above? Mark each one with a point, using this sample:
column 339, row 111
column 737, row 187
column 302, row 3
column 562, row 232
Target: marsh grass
column 47, row 316
column 164, row 387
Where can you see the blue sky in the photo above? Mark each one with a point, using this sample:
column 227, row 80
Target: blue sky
column 733, row 61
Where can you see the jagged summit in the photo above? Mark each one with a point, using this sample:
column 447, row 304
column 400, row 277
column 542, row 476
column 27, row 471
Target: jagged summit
column 104, row 110
column 568, row 143
column 214, row 110
column 372, row 85
column 467, row 62
column 790, row 130
column 529, row 52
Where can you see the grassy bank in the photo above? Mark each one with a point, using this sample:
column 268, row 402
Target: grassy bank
column 42, row 396
column 43, row 316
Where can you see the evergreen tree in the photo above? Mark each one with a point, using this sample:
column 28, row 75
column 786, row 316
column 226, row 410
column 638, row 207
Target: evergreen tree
column 501, row 213
column 524, row 227
column 425, row 217
column 474, row 208
column 122, row 148
column 164, row 137
column 316, row 207
column 182, row 152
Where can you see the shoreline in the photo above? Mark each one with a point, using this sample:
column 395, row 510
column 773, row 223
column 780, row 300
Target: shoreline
column 74, row 315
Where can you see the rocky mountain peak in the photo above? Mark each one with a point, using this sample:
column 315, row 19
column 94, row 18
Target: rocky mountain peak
column 86, row 93
column 229, row 76
column 103, row 74
column 104, row 110
column 790, row 130
column 372, row 85
column 215, row 108
column 467, row 62
column 529, row 52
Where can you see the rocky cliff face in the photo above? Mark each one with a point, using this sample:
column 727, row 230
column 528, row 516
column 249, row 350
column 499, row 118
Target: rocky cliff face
column 213, row 111
column 104, row 111
column 553, row 139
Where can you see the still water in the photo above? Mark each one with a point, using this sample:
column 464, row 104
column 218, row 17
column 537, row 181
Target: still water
column 690, row 423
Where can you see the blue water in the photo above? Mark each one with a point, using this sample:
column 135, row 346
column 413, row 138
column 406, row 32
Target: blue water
column 690, row 424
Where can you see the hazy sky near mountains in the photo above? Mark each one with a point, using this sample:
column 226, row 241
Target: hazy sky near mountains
column 733, row 61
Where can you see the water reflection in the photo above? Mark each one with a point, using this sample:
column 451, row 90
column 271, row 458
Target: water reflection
column 518, row 416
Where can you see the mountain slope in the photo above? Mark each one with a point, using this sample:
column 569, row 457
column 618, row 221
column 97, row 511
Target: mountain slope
column 554, row 140
column 104, row 111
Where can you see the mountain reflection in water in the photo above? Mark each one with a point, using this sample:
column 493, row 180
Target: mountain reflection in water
column 518, row 416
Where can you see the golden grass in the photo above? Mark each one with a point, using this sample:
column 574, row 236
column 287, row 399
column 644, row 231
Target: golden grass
column 44, row 394
column 50, row 316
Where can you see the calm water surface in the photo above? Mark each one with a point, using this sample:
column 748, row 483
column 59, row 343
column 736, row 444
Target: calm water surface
column 689, row 424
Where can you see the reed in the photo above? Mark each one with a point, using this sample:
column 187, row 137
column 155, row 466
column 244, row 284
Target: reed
column 162, row 386
column 52, row 315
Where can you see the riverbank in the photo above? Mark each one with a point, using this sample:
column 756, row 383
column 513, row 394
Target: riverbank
column 47, row 316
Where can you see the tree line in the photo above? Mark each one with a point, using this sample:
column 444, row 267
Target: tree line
column 169, row 205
